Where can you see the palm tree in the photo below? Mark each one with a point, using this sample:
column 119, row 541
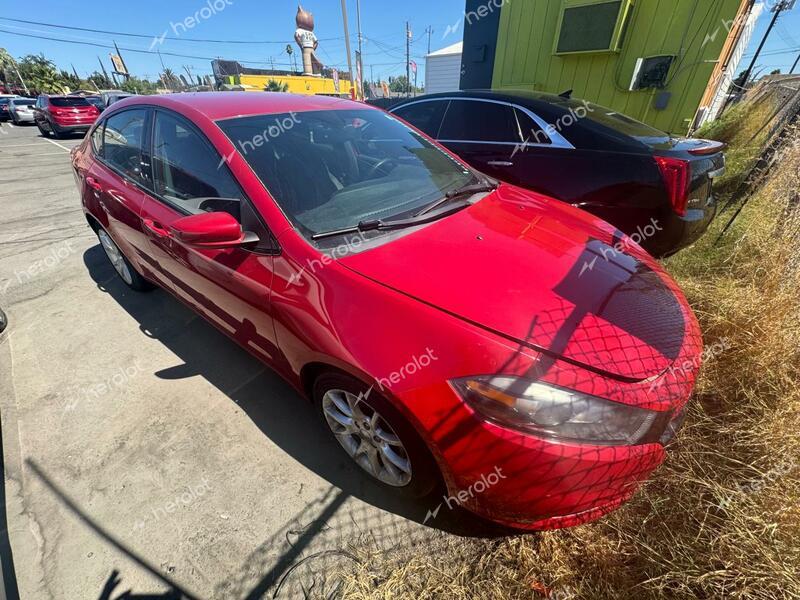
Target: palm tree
column 276, row 86
column 170, row 79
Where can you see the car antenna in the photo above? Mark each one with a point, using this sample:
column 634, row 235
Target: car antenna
column 566, row 95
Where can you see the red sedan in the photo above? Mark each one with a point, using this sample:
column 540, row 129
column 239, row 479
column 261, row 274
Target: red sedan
column 451, row 330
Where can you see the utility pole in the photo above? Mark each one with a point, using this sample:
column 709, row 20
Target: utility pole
column 408, row 61
column 430, row 33
column 360, row 51
column 21, row 80
column 779, row 8
column 794, row 66
column 347, row 44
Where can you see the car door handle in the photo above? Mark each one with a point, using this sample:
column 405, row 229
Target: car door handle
column 94, row 184
column 500, row 163
column 156, row 228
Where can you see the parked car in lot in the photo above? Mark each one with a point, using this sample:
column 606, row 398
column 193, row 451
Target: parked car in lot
column 4, row 100
column 97, row 102
column 20, row 110
column 445, row 325
column 653, row 187
column 111, row 96
column 63, row 115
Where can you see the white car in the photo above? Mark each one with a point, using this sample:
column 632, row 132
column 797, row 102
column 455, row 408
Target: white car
column 4, row 101
column 21, row 110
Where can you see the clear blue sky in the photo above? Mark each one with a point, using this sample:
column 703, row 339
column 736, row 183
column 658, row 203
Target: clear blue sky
column 383, row 23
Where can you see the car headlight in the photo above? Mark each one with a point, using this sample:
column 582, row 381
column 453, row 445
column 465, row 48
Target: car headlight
column 560, row 414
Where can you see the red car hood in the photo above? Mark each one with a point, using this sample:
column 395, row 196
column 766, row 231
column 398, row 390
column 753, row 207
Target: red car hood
column 544, row 275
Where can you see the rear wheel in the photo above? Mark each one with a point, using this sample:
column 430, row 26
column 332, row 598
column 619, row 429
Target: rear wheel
column 121, row 265
column 375, row 435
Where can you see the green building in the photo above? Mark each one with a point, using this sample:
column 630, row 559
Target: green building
column 668, row 63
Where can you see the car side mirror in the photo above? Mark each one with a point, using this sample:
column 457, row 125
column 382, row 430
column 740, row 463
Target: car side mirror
column 211, row 230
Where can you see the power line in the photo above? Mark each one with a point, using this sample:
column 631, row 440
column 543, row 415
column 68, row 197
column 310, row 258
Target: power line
column 150, row 37
column 136, row 50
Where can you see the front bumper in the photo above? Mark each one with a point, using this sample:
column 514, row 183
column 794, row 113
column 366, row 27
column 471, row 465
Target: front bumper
column 541, row 484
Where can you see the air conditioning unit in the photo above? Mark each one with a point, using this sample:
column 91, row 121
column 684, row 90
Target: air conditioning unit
column 651, row 72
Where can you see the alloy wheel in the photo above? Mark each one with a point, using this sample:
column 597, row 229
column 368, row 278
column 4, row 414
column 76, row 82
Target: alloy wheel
column 115, row 256
column 367, row 437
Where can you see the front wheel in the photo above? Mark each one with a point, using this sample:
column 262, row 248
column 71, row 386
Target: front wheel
column 121, row 265
column 41, row 129
column 375, row 435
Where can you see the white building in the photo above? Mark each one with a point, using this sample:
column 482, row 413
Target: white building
column 443, row 69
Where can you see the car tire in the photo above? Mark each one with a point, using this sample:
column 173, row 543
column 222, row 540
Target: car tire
column 125, row 270
column 405, row 446
column 41, row 130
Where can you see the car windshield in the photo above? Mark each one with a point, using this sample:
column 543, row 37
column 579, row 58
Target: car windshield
column 95, row 100
column 24, row 102
column 330, row 170
column 5, row 100
column 64, row 102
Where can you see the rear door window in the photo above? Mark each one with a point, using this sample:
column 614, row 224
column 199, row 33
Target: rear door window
column 530, row 130
column 123, row 140
column 479, row 121
column 426, row 116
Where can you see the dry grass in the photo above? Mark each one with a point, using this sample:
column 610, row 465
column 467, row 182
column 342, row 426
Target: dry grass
column 721, row 519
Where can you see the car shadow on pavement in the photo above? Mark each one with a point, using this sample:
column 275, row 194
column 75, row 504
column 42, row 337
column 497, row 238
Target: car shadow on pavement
column 283, row 415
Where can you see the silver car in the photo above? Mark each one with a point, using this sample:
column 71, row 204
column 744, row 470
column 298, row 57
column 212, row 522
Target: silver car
column 21, row 110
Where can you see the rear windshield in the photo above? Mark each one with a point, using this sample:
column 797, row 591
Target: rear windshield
column 24, row 102
column 623, row 124
column 62, row 102
column 4, row 100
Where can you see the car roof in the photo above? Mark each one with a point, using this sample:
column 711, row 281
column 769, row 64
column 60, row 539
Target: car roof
column 527, row 98
column 225, row 105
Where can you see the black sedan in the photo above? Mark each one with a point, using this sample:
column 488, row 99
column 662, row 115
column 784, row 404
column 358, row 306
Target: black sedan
column 651, row 186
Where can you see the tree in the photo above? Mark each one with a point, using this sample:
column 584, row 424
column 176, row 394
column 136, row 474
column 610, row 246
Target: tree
column 398, row 84
column 100, row 81
column 276, row 86
column 170, row 79
column 135, row 85
column 40, row 74
column 775, row 72
column 69, row 79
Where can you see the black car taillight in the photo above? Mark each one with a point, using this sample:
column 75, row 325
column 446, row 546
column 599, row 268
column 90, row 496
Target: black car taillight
column 677, row 175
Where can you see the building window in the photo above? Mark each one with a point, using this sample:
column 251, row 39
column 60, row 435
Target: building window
column 593, row 25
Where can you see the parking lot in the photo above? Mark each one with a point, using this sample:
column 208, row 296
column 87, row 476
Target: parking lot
column 139, row 440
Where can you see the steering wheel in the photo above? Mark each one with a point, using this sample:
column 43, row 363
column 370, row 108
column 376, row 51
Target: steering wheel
column 378, row 166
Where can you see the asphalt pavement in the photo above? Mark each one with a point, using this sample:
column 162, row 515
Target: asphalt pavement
column 142, row 449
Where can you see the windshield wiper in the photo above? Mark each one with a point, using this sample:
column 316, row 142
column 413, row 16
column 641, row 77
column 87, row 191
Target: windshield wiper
column 380, row 225
column 465, row 190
